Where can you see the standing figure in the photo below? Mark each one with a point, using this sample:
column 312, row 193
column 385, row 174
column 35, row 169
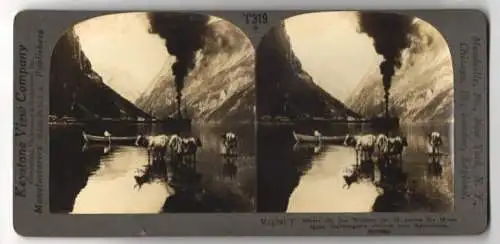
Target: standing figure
column 435, row 142
column 108, row 135
column 364, row 145
column 317, row 134
column 396, row 147
column 382, row 145
column 229, row 143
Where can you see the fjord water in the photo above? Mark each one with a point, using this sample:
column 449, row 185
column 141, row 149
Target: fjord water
column 309, row 177
column 98, row 178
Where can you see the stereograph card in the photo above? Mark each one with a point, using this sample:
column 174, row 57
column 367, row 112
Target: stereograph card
column 313, row 123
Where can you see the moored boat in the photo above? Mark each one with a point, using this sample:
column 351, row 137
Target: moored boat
column 108, row 139
column 313, row 139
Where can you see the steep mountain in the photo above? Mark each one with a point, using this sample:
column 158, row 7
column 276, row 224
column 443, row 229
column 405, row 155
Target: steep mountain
column 284, row 88
column 77, row 91
column 220, row 87
column 421, row 91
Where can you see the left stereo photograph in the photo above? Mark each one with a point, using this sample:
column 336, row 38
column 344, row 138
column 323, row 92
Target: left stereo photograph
column 152, row 113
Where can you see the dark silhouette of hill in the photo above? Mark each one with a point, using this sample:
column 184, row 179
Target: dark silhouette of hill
column 284, row 88
column 77, row 91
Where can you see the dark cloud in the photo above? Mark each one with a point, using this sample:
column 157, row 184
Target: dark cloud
column 184, row 35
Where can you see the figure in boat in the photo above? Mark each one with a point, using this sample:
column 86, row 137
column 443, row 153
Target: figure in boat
column 108, row 135
column 317, row 135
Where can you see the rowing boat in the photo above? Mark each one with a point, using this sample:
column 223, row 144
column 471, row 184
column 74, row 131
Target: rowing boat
column 109, row 139
column 308, row 138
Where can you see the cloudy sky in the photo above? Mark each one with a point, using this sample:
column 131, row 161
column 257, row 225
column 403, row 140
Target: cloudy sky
column 129, row 58
column 123, row 52
column 331, row 50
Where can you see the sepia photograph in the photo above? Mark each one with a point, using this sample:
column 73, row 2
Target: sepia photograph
column 355, row 115
column 152, row 112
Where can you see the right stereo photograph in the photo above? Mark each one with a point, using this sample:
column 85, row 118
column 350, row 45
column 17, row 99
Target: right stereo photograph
column 354, row 114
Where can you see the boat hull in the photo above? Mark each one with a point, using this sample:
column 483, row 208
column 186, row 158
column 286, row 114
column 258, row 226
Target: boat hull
column 313, row 139
column 111, row 139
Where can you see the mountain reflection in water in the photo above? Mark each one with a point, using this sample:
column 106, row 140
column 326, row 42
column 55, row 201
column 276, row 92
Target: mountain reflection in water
column 107, row 179
column 310, row 177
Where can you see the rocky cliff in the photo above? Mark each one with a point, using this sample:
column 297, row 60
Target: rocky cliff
column 284, row 88
column 421, row 91
column 220, row 87
column 77, row 91
column 229, row 75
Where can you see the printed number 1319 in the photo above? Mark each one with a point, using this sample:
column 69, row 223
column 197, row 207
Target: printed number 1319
column 256, row 18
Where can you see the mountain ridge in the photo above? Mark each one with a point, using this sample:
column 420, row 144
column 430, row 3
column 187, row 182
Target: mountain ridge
column 223, row 68
column 421, row 90
column 287, row 86
column 76, row 90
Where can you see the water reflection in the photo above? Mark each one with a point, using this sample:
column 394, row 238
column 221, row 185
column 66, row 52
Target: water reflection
column 188, row 191
column 316, row 147
column 435, row 167
column 230, row 168
column 326, row 178
column 151, row 173
column 105, row 148
column 113, row 178
column 322, row 186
